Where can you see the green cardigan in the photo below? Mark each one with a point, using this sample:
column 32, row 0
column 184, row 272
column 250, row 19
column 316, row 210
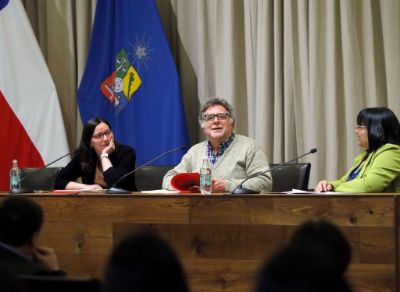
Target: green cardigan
column 380, row 172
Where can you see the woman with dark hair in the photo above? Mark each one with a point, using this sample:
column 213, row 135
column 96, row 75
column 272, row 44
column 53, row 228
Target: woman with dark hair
column 99, row 161
column 377, row 168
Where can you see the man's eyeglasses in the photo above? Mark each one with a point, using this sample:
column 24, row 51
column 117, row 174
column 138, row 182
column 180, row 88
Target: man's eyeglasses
column 98, row 136
column 359, row 127
column 211, row 117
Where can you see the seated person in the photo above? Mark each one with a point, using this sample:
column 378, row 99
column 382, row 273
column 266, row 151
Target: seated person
column 315, row 260
column 20, row 222
column 377, row 168
column 99, row 161
column 233, row 157
column 144, row 262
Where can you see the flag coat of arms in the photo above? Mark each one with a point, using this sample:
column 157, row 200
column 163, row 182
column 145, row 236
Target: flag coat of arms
column 131, row 80
column 32, row 128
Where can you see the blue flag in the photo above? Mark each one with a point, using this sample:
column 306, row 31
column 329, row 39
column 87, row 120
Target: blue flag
column 131, row 80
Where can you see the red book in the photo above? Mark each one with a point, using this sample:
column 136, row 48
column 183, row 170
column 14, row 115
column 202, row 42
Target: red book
column 186, row 182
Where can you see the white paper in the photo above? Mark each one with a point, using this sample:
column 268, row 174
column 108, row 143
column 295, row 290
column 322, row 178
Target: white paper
column 296, row 191
column 160, row 192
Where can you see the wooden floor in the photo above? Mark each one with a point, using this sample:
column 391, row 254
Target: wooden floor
column 223, row 240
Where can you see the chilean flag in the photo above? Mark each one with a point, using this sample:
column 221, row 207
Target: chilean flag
column 31, row 125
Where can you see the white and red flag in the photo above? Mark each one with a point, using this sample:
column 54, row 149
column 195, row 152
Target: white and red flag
column 31, row 125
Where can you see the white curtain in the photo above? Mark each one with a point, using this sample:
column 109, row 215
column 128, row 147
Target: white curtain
column 297, row 72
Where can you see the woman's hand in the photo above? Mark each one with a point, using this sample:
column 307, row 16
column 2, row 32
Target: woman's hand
column 93, row 187
column 78, row 186
column 323, row 186
column 104, row 159
column 109, row 149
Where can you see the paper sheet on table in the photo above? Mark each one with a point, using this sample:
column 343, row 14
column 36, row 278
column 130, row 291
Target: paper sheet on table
column 296, row 191
column 160, row 192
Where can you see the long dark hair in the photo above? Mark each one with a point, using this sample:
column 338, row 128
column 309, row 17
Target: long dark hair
column 382, row 124
column 88, row 157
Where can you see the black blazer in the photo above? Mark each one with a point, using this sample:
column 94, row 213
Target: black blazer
column 123, row 160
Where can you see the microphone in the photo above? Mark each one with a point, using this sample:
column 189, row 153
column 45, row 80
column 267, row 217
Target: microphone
column 115, row 190
column 240, row 190
column 20, row 190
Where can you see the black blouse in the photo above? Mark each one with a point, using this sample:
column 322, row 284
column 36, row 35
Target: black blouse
column 123, row 160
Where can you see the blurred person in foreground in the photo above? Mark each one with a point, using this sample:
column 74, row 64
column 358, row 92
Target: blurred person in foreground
column 10, row 282
column 233, row 157
column 377, row 168
column 144, row 262
column 21, row 220
column 315, row 260
column 99, row 161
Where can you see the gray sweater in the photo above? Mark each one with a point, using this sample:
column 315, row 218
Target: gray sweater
column 241, row 159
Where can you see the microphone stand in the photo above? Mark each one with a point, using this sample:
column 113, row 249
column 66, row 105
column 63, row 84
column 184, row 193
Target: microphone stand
column 239, row 190
column 115, row 191
column 20, row 190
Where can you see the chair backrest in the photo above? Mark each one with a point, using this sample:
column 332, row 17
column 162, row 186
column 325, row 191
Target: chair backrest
column 60, row 284
column 290, row 176
column 39, row 180
column 150, row 177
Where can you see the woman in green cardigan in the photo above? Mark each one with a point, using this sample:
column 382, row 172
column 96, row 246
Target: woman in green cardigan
column 377, row 168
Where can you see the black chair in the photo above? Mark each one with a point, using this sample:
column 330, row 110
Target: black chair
column 60, row 284
column 290, row 176
column 39, row 179
column 150, row 177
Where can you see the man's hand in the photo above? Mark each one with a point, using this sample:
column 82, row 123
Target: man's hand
column 218, row 185
column 47, row 257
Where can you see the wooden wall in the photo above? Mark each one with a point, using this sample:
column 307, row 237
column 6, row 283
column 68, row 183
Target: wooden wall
column 223, row 240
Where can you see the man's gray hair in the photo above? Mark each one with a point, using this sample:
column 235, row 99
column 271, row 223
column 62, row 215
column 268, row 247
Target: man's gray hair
column 217, row 101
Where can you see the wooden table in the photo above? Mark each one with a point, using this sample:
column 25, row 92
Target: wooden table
column 223, row 240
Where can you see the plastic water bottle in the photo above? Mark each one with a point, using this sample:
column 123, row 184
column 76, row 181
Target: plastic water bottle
column 205, row 177
column 15, row 176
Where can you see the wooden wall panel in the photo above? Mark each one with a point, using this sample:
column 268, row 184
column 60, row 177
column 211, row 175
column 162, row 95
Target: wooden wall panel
column 80, row 227
column 231, row 245
column 230, row 275
column 222, row 240
column 372, row 278
column 208, row 241
column 114, row 208
column 293, row 210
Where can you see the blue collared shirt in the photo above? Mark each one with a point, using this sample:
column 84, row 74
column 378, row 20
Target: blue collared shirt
column 221, row 149
column 355, row 172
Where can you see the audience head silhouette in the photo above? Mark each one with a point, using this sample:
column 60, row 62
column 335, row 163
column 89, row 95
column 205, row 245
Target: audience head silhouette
column 20, row 220
column 315, row 260
column 327, row 238
column 144, row 262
